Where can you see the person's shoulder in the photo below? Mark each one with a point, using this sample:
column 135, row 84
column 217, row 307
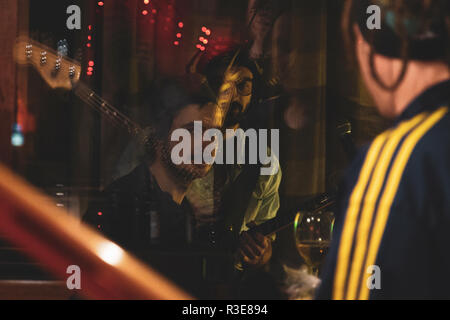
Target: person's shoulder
column 433, row 149
column 437, row 138
column 426, row 176
column 128, row 182
column 429, row 141
column 433, row 146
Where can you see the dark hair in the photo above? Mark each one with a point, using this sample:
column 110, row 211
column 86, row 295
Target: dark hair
column 215, row 61
column 411, row 30
column 213, row 65
column 171, row 95
column 163, row 101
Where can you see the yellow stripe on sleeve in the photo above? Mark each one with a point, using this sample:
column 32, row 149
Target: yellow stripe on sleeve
column 390, row 191
column 351, row 216
column 371, row 198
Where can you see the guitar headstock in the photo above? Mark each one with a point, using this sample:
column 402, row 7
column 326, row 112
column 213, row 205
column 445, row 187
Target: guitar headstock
column 58, row 71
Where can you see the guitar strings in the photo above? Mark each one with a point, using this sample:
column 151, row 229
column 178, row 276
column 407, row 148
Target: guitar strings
column 99, row 104
column 89, row 97
column 110, row 110
column 113, row 120
column 98, row 108
column 85, row 96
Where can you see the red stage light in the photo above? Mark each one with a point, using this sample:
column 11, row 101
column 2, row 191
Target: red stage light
column 180, row 24
column 198, row 46
column 90, row 69
column 146, row 1
column 178, row 35
column 153, row 11
column 91, row 63
column 144, row 12
column 89, row 73
column 176, row 43
column 90, row 27
column 205, row 41
column 202, row 48
column 89, row 38
column 208, row 32
column 204, row 29
column 100, row 3
column 99, row 213
column 88, row 45
column 201, row 39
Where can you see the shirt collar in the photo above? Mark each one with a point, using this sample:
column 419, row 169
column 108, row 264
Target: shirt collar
column 432, row 98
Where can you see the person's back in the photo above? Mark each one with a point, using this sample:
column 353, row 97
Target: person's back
column 398, row 210
column 390, row 239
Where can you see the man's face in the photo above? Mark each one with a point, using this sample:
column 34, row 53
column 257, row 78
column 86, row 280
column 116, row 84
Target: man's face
column 242, row 97
column 211, row 117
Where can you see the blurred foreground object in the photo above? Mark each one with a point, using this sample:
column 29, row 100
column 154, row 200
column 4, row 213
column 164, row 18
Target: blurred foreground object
column 299, row 284
column 58, row 241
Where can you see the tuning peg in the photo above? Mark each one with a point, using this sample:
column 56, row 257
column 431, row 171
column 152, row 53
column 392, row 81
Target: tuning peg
column 57, row 67
column 58, row 64
column 43, row 57
column 72, row 71
column 29, row 50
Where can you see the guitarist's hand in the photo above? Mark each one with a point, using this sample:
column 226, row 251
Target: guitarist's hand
column 254, row 248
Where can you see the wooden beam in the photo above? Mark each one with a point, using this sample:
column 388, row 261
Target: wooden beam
column 58, row 240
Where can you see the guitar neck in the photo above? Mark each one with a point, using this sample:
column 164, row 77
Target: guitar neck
column 274, row 225
column 286, row 219
column 98, row 103
column 61, row 72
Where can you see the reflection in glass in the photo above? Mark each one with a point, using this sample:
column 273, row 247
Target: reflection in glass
column 313, row 232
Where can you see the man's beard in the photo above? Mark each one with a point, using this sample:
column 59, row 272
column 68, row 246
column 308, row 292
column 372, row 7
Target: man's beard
column 184, row 174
